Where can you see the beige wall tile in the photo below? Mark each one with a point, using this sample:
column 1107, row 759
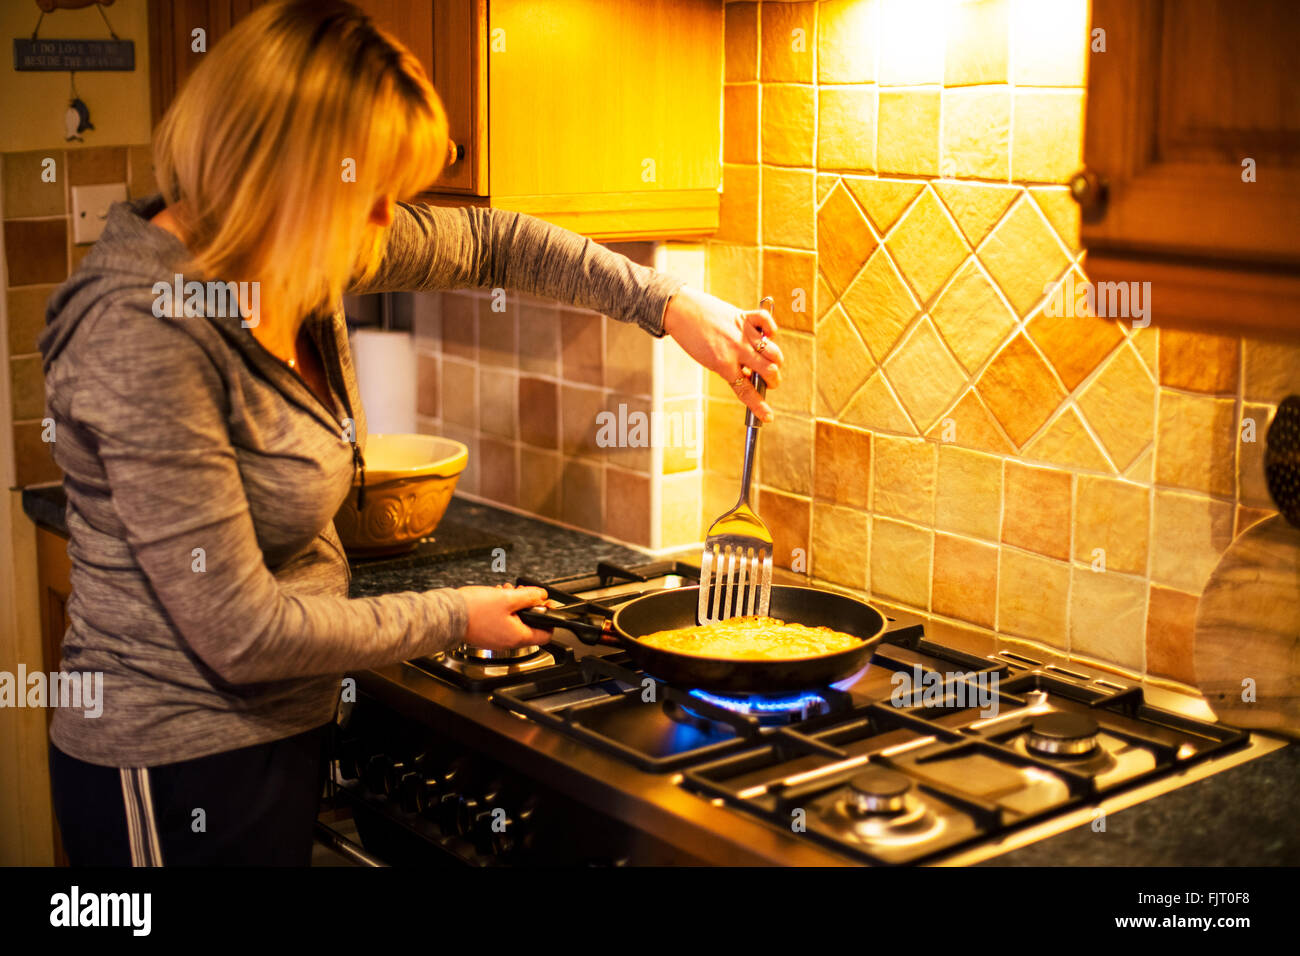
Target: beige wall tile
column 627, row 506
column 496, row 334
column 497, row 473
column 582, row 350
column 1272, row 370
column 539, row 414
column 140, row 178
column 1019, row 389
column 468, row 483
column 926, row 378
column 840, row 551
column 972, row 317
column 460, row 325
column 683, row 377
column 785, row 454
column 741, row 32
column 790, row 278
column 540, row 482
column 1023, row 257
column 498, row 402
column 733, row 272
column 970, row 425
column 789, row 217
column 907, row 139
column 1066, row 442
column 578, row 410
column 1050, row 42
column 1033, row 596
column 629, row 358
column 900, row 562
column 459, row 393
column 539, row 339
column 1199, row 362
column 965, row 579
column 876, row 407
column 927, row 246
column 884, row 200
column 846, row 41
column 1059, row 209
column 724, row 441
column 36, row 251
column 738, row 206
column 27, row 191
column 789, row 114
column 789, row 518
column 903, row 478
column 846, row 128
column 977, row 207
column 1108, row 617
column 1037, row 506
column 797, row 379
column 1252, row 487
column 26, row 317
column 740, row 123
column 1120, row 407
column 842, row 360
column 968, row 492
column 582, row 498
column 1114, row 517
column 1074, row 344
column 679, row 505
column 842, row 464
column 1171, row 625
column 978, row 38
column 1187, row 539
column 788, row 41
column 1047, row 130
column 426, row 385
column 976, row 133
column 880, row 304
column 844, row 240
column 632, row 442
column 27, row 387
column 1196, row 445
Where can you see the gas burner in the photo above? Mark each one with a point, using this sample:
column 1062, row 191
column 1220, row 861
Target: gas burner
column 770, row 711
column 468, row 652
column 480, row 669
column 881, row 808
column 1062, row 735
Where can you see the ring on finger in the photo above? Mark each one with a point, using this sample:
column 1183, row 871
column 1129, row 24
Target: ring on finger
column 739, row 381
column 761, row 346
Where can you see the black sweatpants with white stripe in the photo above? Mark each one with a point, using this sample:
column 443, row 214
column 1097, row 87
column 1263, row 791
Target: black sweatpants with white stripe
column 249, row 807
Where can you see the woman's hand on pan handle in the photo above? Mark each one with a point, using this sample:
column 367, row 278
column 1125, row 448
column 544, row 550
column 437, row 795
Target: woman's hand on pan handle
column 727, row 340
column 493, row 623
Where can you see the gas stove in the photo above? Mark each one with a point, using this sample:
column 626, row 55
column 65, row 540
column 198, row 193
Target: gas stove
column 567, row 753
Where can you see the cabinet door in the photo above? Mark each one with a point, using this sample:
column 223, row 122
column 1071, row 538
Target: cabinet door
column 1186, row 99
column 447, row 37
column 602, row 107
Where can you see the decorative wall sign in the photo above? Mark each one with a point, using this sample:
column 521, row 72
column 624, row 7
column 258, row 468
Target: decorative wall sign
column 74, row 55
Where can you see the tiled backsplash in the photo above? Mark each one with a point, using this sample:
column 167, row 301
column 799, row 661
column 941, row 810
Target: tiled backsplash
column 39, row 254
column 557, row 406
column 894, row 175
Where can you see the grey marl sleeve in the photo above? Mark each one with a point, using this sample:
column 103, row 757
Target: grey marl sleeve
column 156, row 406
column 437, row 247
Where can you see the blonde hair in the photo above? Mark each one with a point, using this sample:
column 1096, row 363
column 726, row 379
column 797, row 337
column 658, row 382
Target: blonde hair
column 257, row 154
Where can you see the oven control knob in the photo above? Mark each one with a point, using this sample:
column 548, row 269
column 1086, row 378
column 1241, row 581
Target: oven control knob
column 879, row 791
column 409, row 789
column 499, row 833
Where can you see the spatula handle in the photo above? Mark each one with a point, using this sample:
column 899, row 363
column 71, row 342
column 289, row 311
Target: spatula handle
column 756, row 380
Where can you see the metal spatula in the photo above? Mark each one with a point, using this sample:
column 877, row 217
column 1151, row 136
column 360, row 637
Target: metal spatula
column 736, row 566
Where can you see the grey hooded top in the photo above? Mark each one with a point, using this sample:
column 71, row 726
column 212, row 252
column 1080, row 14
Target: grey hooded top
column 202, row 476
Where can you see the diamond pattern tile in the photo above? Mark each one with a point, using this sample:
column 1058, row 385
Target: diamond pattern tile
column 876, row 408
column 927, row 247
column 1023, row 256
column 976, row 206
column 844, row 239
column 1067, row 442
column 843, row 362
column 972, row 317
column 1061, row 211
column 883, row 199
column 1020, row 390
column 879, row 304
column 970, row 425
column 1074, row 344
column 925, row 376
column 1120, row 407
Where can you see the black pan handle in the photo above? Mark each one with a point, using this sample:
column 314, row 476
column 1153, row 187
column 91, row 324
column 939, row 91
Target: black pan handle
column 587, row 633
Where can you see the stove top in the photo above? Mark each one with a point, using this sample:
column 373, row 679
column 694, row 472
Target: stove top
column 936, row 753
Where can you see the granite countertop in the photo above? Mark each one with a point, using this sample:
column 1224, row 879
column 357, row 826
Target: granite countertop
column 1244, row 815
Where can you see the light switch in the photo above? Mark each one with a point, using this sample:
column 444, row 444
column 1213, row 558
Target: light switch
column 90, row 209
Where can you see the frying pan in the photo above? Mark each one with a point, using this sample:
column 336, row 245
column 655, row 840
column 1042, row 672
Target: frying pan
column 677, row 607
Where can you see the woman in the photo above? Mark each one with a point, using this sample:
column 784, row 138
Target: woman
column 205, row 453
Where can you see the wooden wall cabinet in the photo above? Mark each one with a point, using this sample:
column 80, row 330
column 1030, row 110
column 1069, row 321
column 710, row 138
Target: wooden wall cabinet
column 602, row 116
column 1185, row 92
